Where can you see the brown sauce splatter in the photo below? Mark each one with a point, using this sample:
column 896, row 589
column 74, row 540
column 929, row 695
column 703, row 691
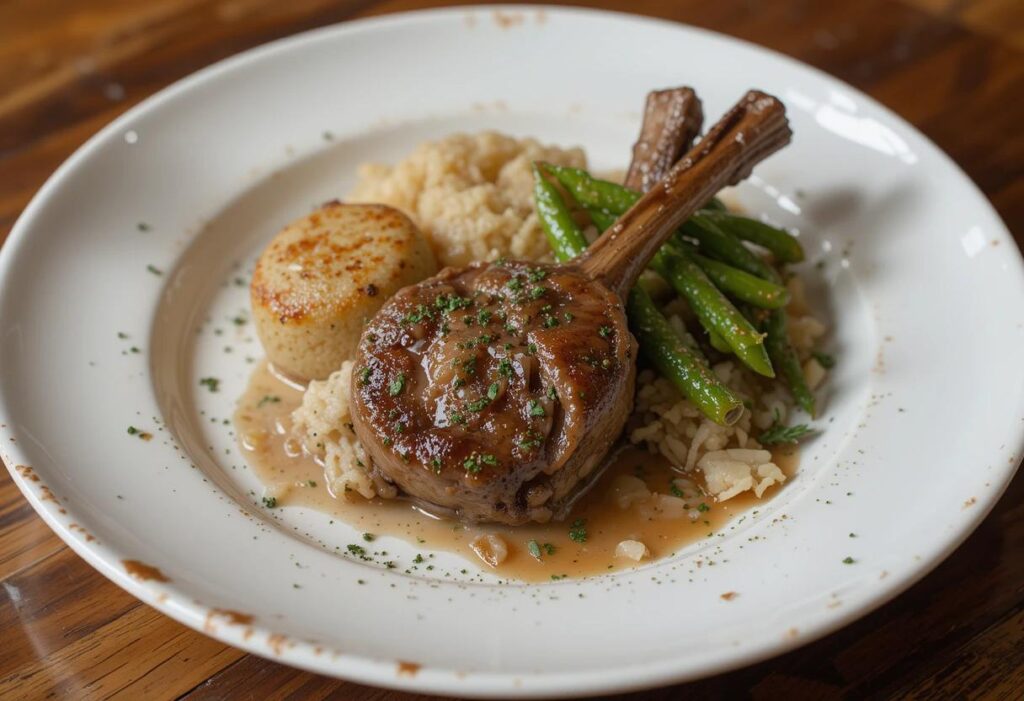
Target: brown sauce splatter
column 143, row 572
column 89, row 537
column 231, row 617
column 263, row 428
column 276, row 641
column 27, row 472
column 408, row 669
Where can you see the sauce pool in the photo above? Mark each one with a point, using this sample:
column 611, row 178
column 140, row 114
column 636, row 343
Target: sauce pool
column 583, row 544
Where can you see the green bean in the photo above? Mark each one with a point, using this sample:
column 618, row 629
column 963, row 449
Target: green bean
column 740, row 284
column 564, row 236
column 611, row 197
column 675, row 361
column 782, row 245
column 782, row 354
column 725, row 247
column 716, row 341
column 715, row 312
column 602, row 219
column 780, row 350
column 596, row 194
column 716, row 205
column 673, row 357
column 593, row 192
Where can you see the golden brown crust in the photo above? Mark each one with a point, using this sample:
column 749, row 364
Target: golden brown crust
column 323, row 275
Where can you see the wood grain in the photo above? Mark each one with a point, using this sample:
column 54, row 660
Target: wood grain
column 954, row 68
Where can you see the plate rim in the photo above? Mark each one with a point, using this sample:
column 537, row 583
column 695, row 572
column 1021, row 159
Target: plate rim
column 365, row 669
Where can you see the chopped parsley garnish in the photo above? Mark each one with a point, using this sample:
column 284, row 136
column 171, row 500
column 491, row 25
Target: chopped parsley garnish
column 488, row 459
column 505, row 367
column 535, row 408
column 549, row 549
column 492, row 391
column 515, row 284
column 155, row 270
column 211, row 383
column 702, row 507
column 364, row 376
column 139, row 433
column 779, row 434
column 356, row 549
column 422, row 312
column 534, row 548
column 270, row 502
column 538, row 292
column 568, row 316
column 469, row 365
column 529, row 443
column 397, row 385
column 122, row 335
column 536, row 274
column 604, row 331
column 578, row 531
column 824, row 359
column 550, row 322
column 552, row 393
column 142, row 226
column 676, row 491
column 435, row 462
column 268, row 399
column 478, row 404
column 456, row 418
column 483, row 316
column 450, row 303
column 368, row 537
column 848, row 560
column 531, row 348
column 472, row 465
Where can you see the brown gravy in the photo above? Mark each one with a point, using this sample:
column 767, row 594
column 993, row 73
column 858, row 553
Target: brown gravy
column 265, row 411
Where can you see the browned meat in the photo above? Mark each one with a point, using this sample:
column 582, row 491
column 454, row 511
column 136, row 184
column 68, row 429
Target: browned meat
column 496, row 390
column 480, row 385
column 672, row 120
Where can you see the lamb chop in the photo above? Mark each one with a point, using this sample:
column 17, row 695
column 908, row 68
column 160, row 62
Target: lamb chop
column 496, row 390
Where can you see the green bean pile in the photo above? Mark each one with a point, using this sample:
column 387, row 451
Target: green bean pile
column 736, row 295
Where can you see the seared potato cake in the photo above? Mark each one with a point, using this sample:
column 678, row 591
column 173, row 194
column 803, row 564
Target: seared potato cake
column 323, row 275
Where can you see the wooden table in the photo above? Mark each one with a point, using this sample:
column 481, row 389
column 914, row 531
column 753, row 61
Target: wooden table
column 954, row 68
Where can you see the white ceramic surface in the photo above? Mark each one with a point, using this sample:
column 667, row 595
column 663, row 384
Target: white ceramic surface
column 923, row 419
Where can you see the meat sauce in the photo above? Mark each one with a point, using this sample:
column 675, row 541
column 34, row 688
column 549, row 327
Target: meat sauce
column 581, row 544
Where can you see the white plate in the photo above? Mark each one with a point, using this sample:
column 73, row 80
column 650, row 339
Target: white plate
column 922, row 428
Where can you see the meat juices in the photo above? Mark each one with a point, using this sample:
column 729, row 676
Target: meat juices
column 483, row 385
column 447, row 422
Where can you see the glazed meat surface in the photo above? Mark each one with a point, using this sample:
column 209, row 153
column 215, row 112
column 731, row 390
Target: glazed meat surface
column 496, row 390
